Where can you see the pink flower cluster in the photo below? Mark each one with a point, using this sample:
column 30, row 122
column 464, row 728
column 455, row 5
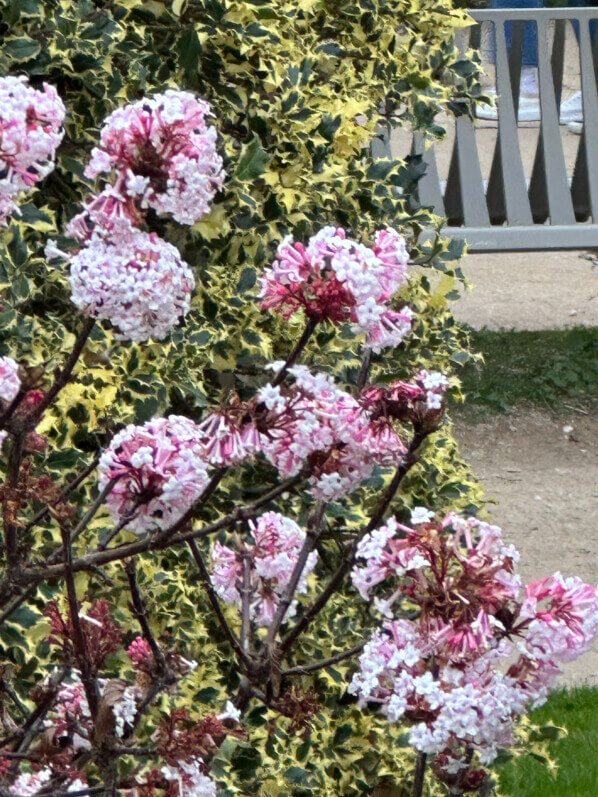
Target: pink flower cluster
column 190, row 779
column 133, row 279
column 164, row 155
column 312, row 424
column 277, row 542
column 10, row 382
column 30, row 132
column 419, row 401
column 160, row 471
column 337, row 279
column 442, row 671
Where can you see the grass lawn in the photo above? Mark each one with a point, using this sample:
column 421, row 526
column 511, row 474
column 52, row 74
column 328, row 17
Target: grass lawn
column 576, row 754
column 546, row 368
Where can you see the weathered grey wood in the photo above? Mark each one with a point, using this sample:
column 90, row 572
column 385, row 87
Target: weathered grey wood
column 471, row 182
column 515, row 189
column 536, row 237
column 428, row 187
column 538, row 190
column 560, row 205
column 590, row 114
column 495, row 193
column 380, row 146
column 580, row 189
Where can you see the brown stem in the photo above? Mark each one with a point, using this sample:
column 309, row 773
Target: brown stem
column 347, row 564
column 294, row 355
column 311, row 537
column 16, row 602
column 364, row 371
column 320, row 665
column 82, row 656
column 487, row 787
column 63, row 375
column 11, row 408
column 419, row 775
column 139, row 611
column 68, row 489
column 246, row 591
column 42, row 572
column 215, row 603
column 11, row 504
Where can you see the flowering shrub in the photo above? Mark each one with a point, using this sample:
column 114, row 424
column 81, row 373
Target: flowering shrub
column 174, row 417
column 442, row 670
column 451, row 607
column 30, row 132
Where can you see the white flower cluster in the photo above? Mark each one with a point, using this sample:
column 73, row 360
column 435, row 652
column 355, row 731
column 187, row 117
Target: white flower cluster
column 160, row 470
column 164, row 154
column 278, row 542
column 133, row 279
column 190, row 779
column 30, row 132
column 10, row 382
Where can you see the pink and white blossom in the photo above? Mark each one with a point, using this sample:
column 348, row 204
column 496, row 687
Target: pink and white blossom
column 337, row 279
column 10, row 382
column 190, row 779
column 134, row 280
column 159, row 469
column 453, row 670
column 164, row 154
column 277, row 542
column 31, row 129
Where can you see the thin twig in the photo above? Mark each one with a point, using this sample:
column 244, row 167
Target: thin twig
column 4, row 687
column 63, row 375
column 294, row 355
column 90, row 684
column 320, row 665
column 10, row 410
column 11, row 505
column 246, row 591
column 139, row 610
column 16, row 602
column 364, row 371
column 42, row 572
column 347, row 564
column 69, row 488
column 311, row 537
column 215, row 603
column 419, row 775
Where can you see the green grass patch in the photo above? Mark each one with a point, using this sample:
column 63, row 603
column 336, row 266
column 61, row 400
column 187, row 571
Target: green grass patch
column 576, row 753
column 545, row 368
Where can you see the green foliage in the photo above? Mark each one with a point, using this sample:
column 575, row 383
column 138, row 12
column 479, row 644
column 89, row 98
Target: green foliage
column 297, row 90
column 544, row 368
column 576, row 770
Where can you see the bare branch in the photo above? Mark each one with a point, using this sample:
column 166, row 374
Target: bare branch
column 364, row 371
column 294, row 355
column 246, row 592
column 320, row 665
column 90, row 684
column 41, row 572
column 69, row 488
column 419, row 775
column 215, row 603
column 311, row 537
column 63, row 375
column 338, row 576
column 139, row 610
